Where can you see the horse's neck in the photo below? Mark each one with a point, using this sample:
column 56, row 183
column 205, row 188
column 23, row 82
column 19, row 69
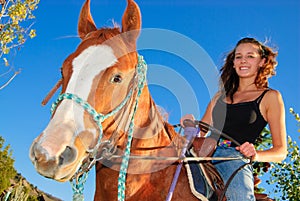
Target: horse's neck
column 149, row 125
column 151, row 130
column 153, row 137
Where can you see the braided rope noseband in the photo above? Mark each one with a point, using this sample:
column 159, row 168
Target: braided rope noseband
column 80, row 176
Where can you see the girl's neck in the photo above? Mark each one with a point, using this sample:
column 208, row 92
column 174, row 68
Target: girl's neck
column 247, row 86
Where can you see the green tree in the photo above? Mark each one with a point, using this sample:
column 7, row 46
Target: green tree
column 260, row 168
column 7, row 170
column 284, row 176
column 15, row 28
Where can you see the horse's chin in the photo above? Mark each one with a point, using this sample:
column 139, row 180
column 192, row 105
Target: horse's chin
column 63, row 175
column 60, row 174
column 64, row 179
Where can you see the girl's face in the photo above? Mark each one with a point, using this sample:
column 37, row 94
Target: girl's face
column 247, row 60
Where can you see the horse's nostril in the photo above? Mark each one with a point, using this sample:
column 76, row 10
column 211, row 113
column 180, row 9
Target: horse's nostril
column 32, row 155
column 67, row 156
column 38, row 153
column 61, row 160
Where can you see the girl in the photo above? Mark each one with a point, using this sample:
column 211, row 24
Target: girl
column 243, row 106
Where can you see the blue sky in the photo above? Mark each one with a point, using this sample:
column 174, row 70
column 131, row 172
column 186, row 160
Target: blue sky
column 184, row 49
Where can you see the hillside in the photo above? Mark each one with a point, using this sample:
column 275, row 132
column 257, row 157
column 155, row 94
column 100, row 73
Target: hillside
column 21, row 190
column 13, row 186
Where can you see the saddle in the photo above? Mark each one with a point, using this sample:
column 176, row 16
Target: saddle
column 205, row 181
column 204, row 147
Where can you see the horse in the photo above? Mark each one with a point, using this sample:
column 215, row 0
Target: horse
column 105, row 116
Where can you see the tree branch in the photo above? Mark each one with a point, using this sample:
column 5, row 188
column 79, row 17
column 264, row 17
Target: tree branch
column 10, row 80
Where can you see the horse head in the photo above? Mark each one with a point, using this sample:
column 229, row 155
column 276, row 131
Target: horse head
column 97, row 78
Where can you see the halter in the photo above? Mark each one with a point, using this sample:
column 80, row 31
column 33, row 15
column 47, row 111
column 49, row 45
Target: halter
column 80, row 176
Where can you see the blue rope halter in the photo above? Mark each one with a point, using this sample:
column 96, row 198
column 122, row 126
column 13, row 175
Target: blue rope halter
column 78, row 181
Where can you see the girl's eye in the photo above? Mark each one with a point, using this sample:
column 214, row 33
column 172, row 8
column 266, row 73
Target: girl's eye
column 248, row 56
column 116, row 79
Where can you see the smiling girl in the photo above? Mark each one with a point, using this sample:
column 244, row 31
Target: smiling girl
column 243, row 106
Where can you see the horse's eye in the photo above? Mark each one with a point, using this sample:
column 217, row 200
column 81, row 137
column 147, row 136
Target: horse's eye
column 116, row 78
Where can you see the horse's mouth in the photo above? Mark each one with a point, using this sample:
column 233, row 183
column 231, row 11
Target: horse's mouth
column 60, row 176
column 56, row 172
column 64, row 179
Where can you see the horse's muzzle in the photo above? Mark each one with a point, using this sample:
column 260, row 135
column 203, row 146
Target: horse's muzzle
column 49, row 165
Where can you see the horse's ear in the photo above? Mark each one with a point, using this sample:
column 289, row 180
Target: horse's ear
column 86, row 23
column 131, row 21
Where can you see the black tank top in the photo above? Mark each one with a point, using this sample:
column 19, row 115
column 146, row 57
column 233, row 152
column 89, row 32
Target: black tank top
column 241, row 121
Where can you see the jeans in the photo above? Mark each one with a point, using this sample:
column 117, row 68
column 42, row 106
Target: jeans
column 241, row 187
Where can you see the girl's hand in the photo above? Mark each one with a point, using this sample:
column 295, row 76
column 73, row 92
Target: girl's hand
column 247, row 149
column 187, row 116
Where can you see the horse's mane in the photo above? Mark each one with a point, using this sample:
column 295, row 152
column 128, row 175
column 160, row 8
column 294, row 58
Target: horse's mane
column 111, row 36
column 162, row 111
column 106, row 33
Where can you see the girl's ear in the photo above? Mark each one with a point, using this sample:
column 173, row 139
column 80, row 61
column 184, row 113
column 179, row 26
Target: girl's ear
column 262, row 62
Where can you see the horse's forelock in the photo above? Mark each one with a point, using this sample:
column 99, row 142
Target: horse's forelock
column 107, row 33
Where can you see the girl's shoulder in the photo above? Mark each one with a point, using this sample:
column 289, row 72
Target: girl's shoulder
column 272, row 97
column 273, row 94
column 271, row 104
column 216, row 97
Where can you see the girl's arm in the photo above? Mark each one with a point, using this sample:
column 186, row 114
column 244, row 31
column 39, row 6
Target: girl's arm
column 272, row 108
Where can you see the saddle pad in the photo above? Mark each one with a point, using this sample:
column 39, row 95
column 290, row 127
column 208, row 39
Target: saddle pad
column 197, row 181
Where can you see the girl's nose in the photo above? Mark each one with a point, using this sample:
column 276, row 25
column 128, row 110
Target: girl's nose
column 243, row 60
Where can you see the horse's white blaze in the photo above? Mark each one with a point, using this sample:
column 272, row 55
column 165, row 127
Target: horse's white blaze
column 86, row 67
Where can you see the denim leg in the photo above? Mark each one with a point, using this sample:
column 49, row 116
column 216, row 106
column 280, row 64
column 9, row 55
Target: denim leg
column 242, row 185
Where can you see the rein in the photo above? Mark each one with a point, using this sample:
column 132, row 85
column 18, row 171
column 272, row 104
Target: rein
column 80, row 176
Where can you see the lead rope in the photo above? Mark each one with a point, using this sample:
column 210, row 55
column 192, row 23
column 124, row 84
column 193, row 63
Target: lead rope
column 78, row 187
column 124, row 165
column 190, row 135
column 78, row 182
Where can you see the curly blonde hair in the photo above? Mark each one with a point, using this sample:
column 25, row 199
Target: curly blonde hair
column 229, row 80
